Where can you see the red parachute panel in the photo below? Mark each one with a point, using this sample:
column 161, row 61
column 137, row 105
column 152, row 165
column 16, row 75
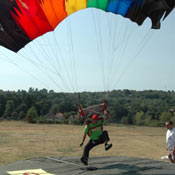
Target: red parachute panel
column 31, row 18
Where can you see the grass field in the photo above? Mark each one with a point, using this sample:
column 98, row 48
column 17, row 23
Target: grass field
column 20, row 140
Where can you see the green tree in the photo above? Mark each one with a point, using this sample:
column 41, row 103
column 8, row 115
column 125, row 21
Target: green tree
column 28, row 101
column 124, row 120
column 55, row 108
column 9, row 108
column 21, row 115
column 164, row 117
column 173, row 118
column 67, row 105
column 22, row 107
column 2, row 104
column 139, row 118
column 43, row 106
column 32, row 115
column 118, row 111
column 14, row 115
column 148, row 119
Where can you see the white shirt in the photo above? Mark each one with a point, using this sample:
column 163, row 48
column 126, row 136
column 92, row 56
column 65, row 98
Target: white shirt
column 170, row 139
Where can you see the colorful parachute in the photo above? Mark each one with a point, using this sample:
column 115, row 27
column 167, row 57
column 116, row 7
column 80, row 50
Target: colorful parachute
column 24, row 20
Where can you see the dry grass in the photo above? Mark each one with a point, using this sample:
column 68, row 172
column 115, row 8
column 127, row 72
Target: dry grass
column 19, row 140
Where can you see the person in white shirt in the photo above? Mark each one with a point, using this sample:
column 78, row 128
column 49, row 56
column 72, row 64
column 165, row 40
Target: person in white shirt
column 170, row 141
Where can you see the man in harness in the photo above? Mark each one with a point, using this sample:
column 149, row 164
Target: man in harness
column 94, row 129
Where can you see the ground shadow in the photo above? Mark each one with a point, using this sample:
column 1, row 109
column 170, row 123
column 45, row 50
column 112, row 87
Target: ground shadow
column 129, row 169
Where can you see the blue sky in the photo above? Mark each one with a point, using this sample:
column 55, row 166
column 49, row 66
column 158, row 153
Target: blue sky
column 94, row 51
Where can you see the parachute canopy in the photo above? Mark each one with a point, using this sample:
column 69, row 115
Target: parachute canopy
column 24, row 20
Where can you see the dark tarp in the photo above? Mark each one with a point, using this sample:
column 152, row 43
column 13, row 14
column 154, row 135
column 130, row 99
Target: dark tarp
column 105, row 166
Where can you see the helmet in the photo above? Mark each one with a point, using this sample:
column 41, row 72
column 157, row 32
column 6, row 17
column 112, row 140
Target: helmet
column 95, row 117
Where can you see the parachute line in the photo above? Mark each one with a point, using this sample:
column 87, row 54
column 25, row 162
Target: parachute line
column 24, row 70
column 142, row 44
column 42, row 67
column 99, row 46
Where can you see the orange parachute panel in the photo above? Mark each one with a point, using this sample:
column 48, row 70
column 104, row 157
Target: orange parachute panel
column 54, row 10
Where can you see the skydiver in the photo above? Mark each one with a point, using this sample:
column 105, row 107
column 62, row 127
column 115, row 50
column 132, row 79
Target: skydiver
column 94, row 128
column 170, row 141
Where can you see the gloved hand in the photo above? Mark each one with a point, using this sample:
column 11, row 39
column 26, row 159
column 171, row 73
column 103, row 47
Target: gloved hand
column 81, row 144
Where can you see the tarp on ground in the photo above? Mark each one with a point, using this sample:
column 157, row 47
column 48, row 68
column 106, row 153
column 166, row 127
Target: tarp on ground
column 104, row 165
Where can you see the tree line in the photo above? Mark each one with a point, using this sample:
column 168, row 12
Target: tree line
column 148, row 107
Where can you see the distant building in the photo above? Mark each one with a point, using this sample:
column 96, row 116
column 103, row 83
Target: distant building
column 59, row 115
column 54, row 118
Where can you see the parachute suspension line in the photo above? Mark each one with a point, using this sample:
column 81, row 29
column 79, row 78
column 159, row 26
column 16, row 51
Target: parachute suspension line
column 116, row 65
column 24, row 70
column 109, row 55
column 41, row 64
column 101, row 51
column 115, row 35
column 97, row 39
column 58, row 50
column 120, row 34
column 61, row 76
column 116, row 47
column 50, row 58
column 99, row 46
column 56, row 64
column 55, row 55
column 72, row 57
column 63, row 62
column 38, row 65
column 142, row 44
column 47, row 58
column 53, row 65
column 41, row 67
column 111, row 58
column 111, row 39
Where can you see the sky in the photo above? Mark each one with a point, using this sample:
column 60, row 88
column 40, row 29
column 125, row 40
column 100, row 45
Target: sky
column 94, row 51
